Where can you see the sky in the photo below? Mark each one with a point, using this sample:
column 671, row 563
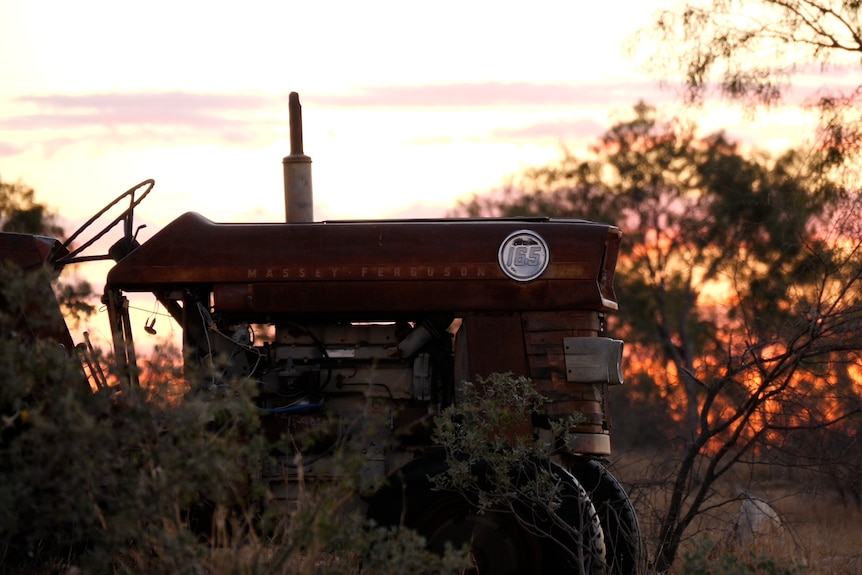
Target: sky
column 407, row 106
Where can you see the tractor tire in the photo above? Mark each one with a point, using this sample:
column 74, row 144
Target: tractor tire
column 625, row 552
column 528, row 541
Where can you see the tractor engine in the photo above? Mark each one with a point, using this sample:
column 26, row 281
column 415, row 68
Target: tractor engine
column 319, row 385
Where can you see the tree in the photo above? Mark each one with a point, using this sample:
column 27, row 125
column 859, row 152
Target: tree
column 20, row 212
column 740, row 282
column 757, row 54
column 750, row 52
column 687, row 205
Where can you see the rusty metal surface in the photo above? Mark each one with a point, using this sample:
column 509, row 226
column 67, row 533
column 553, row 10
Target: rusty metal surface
column 26, row 250
column 33, row 319
column 374, row 266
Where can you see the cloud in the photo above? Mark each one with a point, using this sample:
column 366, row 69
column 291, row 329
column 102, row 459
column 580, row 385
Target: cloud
column 51, row 122
column 7, row 150
column 207, row 111
column 235, row 115
column 563, row 129
column 557, row 130
column 492, row 94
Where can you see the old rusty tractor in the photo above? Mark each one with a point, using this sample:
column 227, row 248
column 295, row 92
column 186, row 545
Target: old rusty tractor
column 376, row 324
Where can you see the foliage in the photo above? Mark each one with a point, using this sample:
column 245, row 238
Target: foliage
column 501, row 469
column 750, row 52
column 702, row 560
column 105, row 478
column 487, row 426
column 160, row 479
column 716, row 39
column 21, row 213
column 740, row 296
column 74, row 300
column 698, row 219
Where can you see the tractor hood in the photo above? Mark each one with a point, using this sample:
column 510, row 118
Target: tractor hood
column 383, row 265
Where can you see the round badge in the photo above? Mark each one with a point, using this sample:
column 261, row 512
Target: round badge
column 523, row 255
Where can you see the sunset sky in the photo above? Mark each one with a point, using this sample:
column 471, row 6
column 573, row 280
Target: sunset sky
column 406, row 106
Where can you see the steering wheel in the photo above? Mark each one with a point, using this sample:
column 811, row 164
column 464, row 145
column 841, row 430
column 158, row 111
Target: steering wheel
column 121, row 248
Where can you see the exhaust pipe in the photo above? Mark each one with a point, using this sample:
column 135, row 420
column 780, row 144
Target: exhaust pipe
column 298, row 198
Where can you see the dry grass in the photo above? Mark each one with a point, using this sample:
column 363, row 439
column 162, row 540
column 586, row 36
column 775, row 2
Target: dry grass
column 829, row 531
column 820, row 531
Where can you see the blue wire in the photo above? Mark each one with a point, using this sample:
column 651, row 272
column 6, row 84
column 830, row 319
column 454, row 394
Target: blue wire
column 290, row 408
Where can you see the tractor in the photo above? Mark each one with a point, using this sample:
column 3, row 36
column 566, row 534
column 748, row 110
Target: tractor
column 376, row 325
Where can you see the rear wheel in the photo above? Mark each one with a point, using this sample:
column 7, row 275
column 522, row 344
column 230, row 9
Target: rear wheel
column 616, row 513
column 510, row 537
column 498, row 544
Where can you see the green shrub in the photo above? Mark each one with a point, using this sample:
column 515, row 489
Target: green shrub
column 705, row 559
column 494, row 460
column 158, row 479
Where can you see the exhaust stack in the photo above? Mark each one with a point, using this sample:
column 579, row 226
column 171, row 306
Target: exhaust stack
column 298, row 198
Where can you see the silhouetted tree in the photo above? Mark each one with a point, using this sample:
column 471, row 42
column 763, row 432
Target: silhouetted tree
column 751, row 52
column 739, row 287
column 20, row 212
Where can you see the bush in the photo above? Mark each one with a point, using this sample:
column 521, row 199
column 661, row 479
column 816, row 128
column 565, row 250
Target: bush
column 705, row 559
column 494, row 462
column 153, row 480
column 108, row 480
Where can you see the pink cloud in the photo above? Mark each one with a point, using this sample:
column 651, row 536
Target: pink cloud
column 53, row 121
column 7, row 149
column 557, row 130
column 199, row 110
column 243, row 115
column 491, row 94
column 195, row 110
